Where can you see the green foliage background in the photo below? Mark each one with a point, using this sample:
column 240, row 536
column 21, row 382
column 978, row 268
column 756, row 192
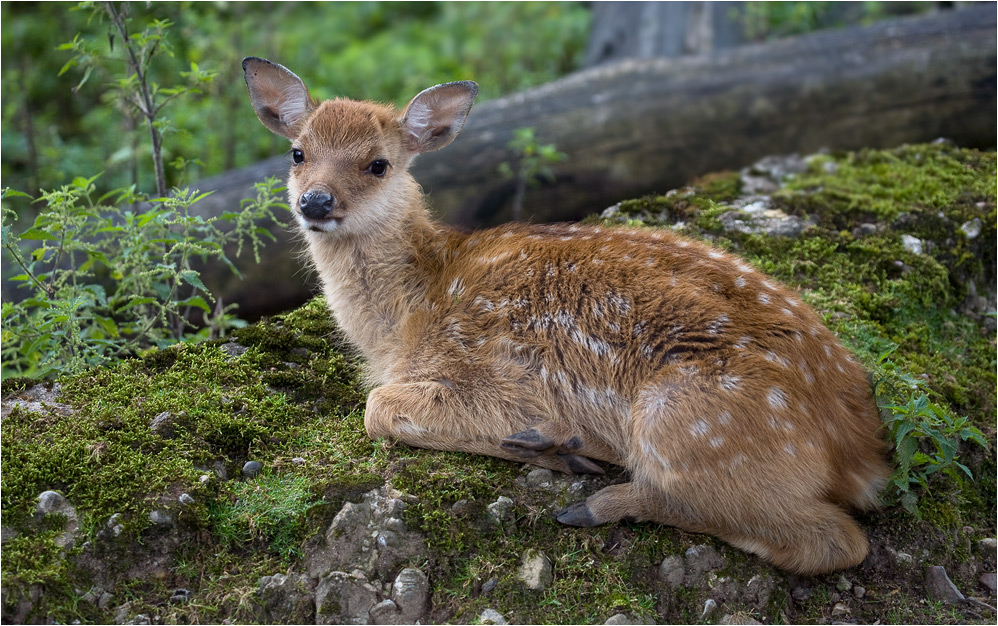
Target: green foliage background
column 381, row 51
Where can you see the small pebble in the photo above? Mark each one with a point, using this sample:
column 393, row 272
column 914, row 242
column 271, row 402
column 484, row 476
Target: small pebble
column 843, row 584
column 298, row 460
column 988, row 580
column 858, row 591
column 540, row 478
column 252, row 468
column 489, row 585
column 204, row 478
column 186, row 498
column 492, row 616
column 708, row 608
column 840, row 608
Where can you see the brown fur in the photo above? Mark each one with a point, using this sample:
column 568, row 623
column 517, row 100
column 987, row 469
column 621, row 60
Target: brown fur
column 736, row 412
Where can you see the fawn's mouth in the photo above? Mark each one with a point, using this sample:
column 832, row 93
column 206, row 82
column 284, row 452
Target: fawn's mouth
column 321, row 225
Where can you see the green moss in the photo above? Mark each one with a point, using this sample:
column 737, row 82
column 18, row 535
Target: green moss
column 296, row 392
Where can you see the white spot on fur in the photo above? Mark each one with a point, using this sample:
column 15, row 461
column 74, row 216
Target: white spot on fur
column 699, row 428
column 639, row 328
column 740, row 282
column 715, row 327
column 742, row 342
column 828, row 351
column 790, row 449
column 739, row 459
column 777, row 398
column 717, row 442
column 772, row 357
column 724, row 418
column 456, row 288
column 484, row 303
column 792, row 302
column 714, row 254
column 787, row 312
column 768, row 285
column 597, row 261
column 730, row 383
column 763, row 297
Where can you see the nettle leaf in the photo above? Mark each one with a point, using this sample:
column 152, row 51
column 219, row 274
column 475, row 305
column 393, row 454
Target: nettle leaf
column 37, row 234
column 196, row 301
column 192, row 278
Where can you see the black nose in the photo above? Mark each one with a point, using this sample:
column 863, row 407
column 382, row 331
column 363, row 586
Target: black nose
column 315, row 205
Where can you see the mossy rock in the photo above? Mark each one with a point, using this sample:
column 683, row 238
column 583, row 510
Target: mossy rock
column 287, row 393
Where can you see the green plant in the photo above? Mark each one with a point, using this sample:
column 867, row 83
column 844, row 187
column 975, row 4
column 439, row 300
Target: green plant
column 531, row 163
column 270, row 508
column 135, row 91
column 926, row 435
column 107, row 278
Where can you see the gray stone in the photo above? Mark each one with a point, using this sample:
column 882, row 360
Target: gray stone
column 342, row 598
column 204, row 479
column 220, row 470
column 801, row 594
column 988, row 546
column 540, row 478
column 901, row 559
column 840, row 608
column 709, row 608
column 535, row 571
column 620, row 618
column 843, row 584
column 489, row 585
column 233, row 349
column 501, row 511
column 462, row 508
column 186, row 499
column 298, row 460
column 163, row 424
column 940, row 588
column 252, row 468
column 972, row 228
column 988, row 580
column 161, row 518
column 912, row 244
column 411, row 592
column 859, row 591
column 491, row 616
column 54, row 503
column 672, row 571
column 286, row 599
column 387, row 539
column 385, row 612
column 350, row 517
column 700, row 560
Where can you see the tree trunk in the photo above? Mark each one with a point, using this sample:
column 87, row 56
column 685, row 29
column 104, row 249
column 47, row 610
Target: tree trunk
column 649, row 125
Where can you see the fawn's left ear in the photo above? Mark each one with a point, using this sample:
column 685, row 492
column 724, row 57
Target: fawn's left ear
column 279, row 97
column 433, row 118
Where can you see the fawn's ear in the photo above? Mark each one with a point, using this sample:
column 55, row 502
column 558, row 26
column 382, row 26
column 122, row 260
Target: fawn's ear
column 433, row 118
column 280, row 98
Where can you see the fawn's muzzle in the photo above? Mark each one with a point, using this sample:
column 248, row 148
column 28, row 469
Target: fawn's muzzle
column 316, row 205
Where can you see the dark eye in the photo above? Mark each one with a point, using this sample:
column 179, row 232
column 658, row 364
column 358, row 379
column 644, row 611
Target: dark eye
column 378, row 167
column 297, row 156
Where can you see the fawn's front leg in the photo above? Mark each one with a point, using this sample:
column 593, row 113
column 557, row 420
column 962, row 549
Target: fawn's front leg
column 435, row 415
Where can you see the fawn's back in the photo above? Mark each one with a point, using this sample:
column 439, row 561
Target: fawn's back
column 737, row 413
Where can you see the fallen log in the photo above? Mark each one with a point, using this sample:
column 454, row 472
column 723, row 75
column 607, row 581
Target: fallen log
column 644, row 126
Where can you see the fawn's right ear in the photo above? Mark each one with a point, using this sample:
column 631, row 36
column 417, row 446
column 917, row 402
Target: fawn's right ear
column 280, row 98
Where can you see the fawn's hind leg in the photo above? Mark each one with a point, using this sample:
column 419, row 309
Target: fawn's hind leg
column 430, row 414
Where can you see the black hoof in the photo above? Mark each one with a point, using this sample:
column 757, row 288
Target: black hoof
column 526, row 444
column 580, row 464
column 577, row 515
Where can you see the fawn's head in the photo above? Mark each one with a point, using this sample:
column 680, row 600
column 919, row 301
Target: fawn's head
column 349, row 158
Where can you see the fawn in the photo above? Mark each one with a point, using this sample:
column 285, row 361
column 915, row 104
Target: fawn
column 736, row 412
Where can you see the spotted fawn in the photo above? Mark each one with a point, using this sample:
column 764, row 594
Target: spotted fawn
column 735, row 411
